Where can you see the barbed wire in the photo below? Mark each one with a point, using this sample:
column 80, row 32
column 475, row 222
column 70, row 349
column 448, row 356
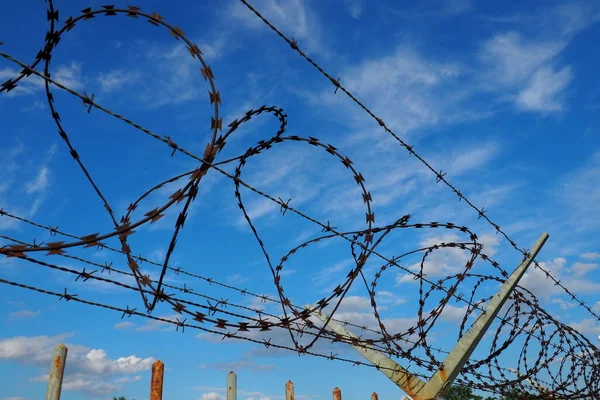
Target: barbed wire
column 127, row 312
column 522, row 319
column 439, row 174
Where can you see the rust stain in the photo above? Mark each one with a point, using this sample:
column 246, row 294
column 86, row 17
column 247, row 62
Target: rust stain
column 289, row 390
column 337, row 394
column 58, row 363
column 156, row 388
column 443, row 374
column 409, row 389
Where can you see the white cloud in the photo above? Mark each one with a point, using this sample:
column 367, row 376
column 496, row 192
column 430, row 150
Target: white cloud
column 256, row 209
column 472, row 158
column 86, row 384
column 116, row 79
column 212, row 396
column 587, row 327
column 152, row 325
column 215, row 49
column 542, row 92
column 237, row 278
column 40, row 183
column 434, row 8
column 69, row 75
column 579, row 192
column 564, row 305
column 23, row 199
column 25, row 86
column 175, row 74
column 299, row 21
column 238, row 365
column 453, row 314
column 524, row 68
column 354, row 304
column 495, row 195
column 590, row 256
column 408, row 90
column 572, row 276
column 125, row 325
column 579, row 269
column 87, row 369
column 325, row 275
column 445, row 261
column 24, row 314
column 37, row 349
column 127, row 379
column 354, row 8
column 98, row 362
column 512, row 60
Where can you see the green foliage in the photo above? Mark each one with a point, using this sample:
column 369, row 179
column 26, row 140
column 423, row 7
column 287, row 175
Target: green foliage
column 515, row 395
column 457, row 392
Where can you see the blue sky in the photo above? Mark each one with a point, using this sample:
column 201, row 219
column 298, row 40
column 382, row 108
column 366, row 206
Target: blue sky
column 502, row 96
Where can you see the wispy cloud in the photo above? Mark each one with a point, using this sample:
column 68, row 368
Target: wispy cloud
column 24, row 314
column 125, row 325
column 590, row 256
column 295, row 15
column 238, row 365
column 579, row 192
column 40, row 182
column 543, row 92
column 526, row 69
column 354, row 8
column 433, row 9
column 116, row 79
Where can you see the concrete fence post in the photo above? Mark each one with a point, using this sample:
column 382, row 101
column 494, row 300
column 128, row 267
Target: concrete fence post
column 57, row 370
column 289, row 390
column 156, row 385
column 232, row 386
column 374, row 396
column 337, row 394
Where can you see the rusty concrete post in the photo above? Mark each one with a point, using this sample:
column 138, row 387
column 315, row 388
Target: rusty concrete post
column 156, row 385
column 289, row 390
column 232, row 386
column 337, row 394
column 374, row 396
column 57, row 370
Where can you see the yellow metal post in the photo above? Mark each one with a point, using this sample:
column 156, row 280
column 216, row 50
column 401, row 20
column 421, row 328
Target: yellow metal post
column 440, row 382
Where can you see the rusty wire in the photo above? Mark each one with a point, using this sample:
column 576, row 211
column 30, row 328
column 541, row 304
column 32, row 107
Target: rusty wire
column 545, row 341
column 439, row 174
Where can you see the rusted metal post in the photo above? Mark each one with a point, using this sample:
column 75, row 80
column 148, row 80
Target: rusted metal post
column 57, row 370
column 232, row 386
column 374, row 396
column 337, row 394
column 156, row 385
column 289, row 390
